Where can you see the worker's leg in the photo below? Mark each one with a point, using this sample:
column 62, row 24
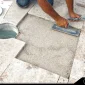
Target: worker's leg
column 70, row 4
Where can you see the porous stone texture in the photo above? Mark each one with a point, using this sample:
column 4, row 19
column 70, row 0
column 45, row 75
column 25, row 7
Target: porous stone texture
column 46, row 48
column 16, row 14
column 21, row 72
column 9, row 48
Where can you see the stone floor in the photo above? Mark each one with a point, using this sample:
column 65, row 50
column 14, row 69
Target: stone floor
column 46, row 48
column 50, row 56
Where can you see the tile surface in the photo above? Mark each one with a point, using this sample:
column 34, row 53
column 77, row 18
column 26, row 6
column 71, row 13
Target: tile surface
column 63, row 80
column 46, row 48
column 5, row 6
column 8, row 50
column 80, row 53
column 21, row 72
column 16, row 14
column 78, row 71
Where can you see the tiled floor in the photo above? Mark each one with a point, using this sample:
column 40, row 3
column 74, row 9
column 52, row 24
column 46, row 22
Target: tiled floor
column 21, row 72
column 51, row 50
column 8, row 51
column 16, row 14
column 46, row 48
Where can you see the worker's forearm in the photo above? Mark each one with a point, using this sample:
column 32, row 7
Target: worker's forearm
column 70, row 5
column 48, row 9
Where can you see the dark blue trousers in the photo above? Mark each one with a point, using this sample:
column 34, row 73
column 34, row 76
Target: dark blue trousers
column 24, row 3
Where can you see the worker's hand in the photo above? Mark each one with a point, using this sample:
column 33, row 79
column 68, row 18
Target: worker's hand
column 62, row 22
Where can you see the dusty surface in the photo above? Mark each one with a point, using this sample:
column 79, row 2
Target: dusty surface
column 46, row 48
column 44, row 45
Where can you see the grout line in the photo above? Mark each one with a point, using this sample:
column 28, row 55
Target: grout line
column 21, row 20
column 24, row 16
column 7, row 10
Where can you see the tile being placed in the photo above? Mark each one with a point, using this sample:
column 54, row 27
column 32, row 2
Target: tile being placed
column 51, row 50
column 21, row 72
column 16, row 14
column 9, row 49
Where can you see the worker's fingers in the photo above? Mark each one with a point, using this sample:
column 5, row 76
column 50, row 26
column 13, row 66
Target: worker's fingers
column 66, row 25
column 62, row 22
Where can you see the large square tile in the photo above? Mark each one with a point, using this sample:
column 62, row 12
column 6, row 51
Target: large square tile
column 46, row 48
column 9, row 49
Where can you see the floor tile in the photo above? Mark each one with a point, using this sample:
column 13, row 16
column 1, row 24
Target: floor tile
column 80, row 53
column 21, row 72
column 46, row 48
column 63, row 80
column 78, row 70
column 10, row 48
column 16, row 14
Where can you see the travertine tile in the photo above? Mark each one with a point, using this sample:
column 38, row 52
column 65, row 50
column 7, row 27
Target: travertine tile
column 5, row 6
column 80, row 53
column 21, row 72
column 8, row 50
column 80, row 1
column 63, row 80
column 16, row 14
column 56, row 50
column 78, row 70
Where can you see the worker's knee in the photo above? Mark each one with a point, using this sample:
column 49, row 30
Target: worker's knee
column 51, row 2
column 23, row 3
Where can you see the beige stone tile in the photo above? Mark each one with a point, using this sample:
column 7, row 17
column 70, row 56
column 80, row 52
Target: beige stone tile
column 21, row 72
column 5, row 7
column 56, row 50
column 9, row 49
column 16, row 14
column 80, row 53
column 77, row 71
column 63, row 80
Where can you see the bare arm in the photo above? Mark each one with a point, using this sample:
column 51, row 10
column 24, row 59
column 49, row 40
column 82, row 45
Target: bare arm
column 47, row 8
